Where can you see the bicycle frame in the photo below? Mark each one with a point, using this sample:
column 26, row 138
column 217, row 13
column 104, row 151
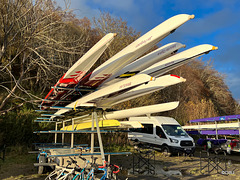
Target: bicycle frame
column 75, row 173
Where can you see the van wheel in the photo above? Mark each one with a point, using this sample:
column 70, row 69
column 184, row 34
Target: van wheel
column 166, row 151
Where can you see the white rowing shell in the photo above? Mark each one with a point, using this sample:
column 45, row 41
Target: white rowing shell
column 178, row 60
column 152, row 86
column 83, row 65
column 138, row 48
column 108, row 91
column 126, row 113
column 139, row 111
column 144, row 62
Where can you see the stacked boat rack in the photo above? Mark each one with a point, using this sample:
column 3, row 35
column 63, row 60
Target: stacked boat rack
column 217, row 126
column 57, row 154
column 88, row 97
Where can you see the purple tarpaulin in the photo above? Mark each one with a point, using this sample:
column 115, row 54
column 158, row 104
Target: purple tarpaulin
column 194, row 132
column 220, row 132
column 202, row 142
column 220, row 118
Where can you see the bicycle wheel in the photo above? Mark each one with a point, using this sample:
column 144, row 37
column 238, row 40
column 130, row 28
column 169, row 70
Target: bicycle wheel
column 77, row 177
column 90, row 177
column 53, row 174
column 63, row 175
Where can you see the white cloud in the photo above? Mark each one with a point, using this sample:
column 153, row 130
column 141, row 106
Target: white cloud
column 210, row 23
column 233, row 82
column 196, row 5
column 140, row 15
column 123, row 5
column 80, row 8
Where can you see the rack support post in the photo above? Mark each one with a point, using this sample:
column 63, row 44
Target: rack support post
column 99, row 138
column 63, row 133
column 55, row 139
column 72, row 135
column 92, row 135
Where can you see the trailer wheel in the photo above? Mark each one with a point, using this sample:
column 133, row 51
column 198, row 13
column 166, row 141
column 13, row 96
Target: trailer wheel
column 42, row 159
column 166, row 151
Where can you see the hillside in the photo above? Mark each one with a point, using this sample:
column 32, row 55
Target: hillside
column 40, row 42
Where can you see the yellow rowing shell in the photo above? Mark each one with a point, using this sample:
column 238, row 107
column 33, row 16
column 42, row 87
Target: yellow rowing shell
column 88, row 125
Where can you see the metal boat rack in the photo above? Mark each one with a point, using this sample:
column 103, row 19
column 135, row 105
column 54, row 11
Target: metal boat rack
column 212, row 163
column 143, row 160
column 58, row 154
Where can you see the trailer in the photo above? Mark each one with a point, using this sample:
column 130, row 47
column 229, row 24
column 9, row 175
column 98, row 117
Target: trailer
column 57, row 154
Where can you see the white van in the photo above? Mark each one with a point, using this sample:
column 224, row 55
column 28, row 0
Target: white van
column 162, row 133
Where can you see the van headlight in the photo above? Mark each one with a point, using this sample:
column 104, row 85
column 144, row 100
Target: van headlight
column 173, row 140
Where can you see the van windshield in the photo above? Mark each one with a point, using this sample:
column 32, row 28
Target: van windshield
column 174, row 130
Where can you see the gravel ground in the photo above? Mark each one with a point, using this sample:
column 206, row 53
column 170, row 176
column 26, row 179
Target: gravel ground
column 187, row 168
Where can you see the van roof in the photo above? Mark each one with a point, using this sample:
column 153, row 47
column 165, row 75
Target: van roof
column 155, row 119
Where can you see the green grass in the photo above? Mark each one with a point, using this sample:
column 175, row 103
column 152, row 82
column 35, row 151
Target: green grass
column 18, row 155
column 16, row 160
column 119, row 148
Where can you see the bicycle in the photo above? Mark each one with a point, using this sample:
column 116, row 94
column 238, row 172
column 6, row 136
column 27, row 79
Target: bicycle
column 81, row 174
column 78, row 173
column 64, row 173
column 109, row 172
column 90, row 175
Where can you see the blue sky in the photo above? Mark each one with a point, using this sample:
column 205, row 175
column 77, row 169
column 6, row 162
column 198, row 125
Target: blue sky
column 216, row 22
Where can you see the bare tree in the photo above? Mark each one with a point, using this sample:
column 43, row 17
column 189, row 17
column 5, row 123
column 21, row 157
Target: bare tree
column 38, row 43
column 125, row 34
